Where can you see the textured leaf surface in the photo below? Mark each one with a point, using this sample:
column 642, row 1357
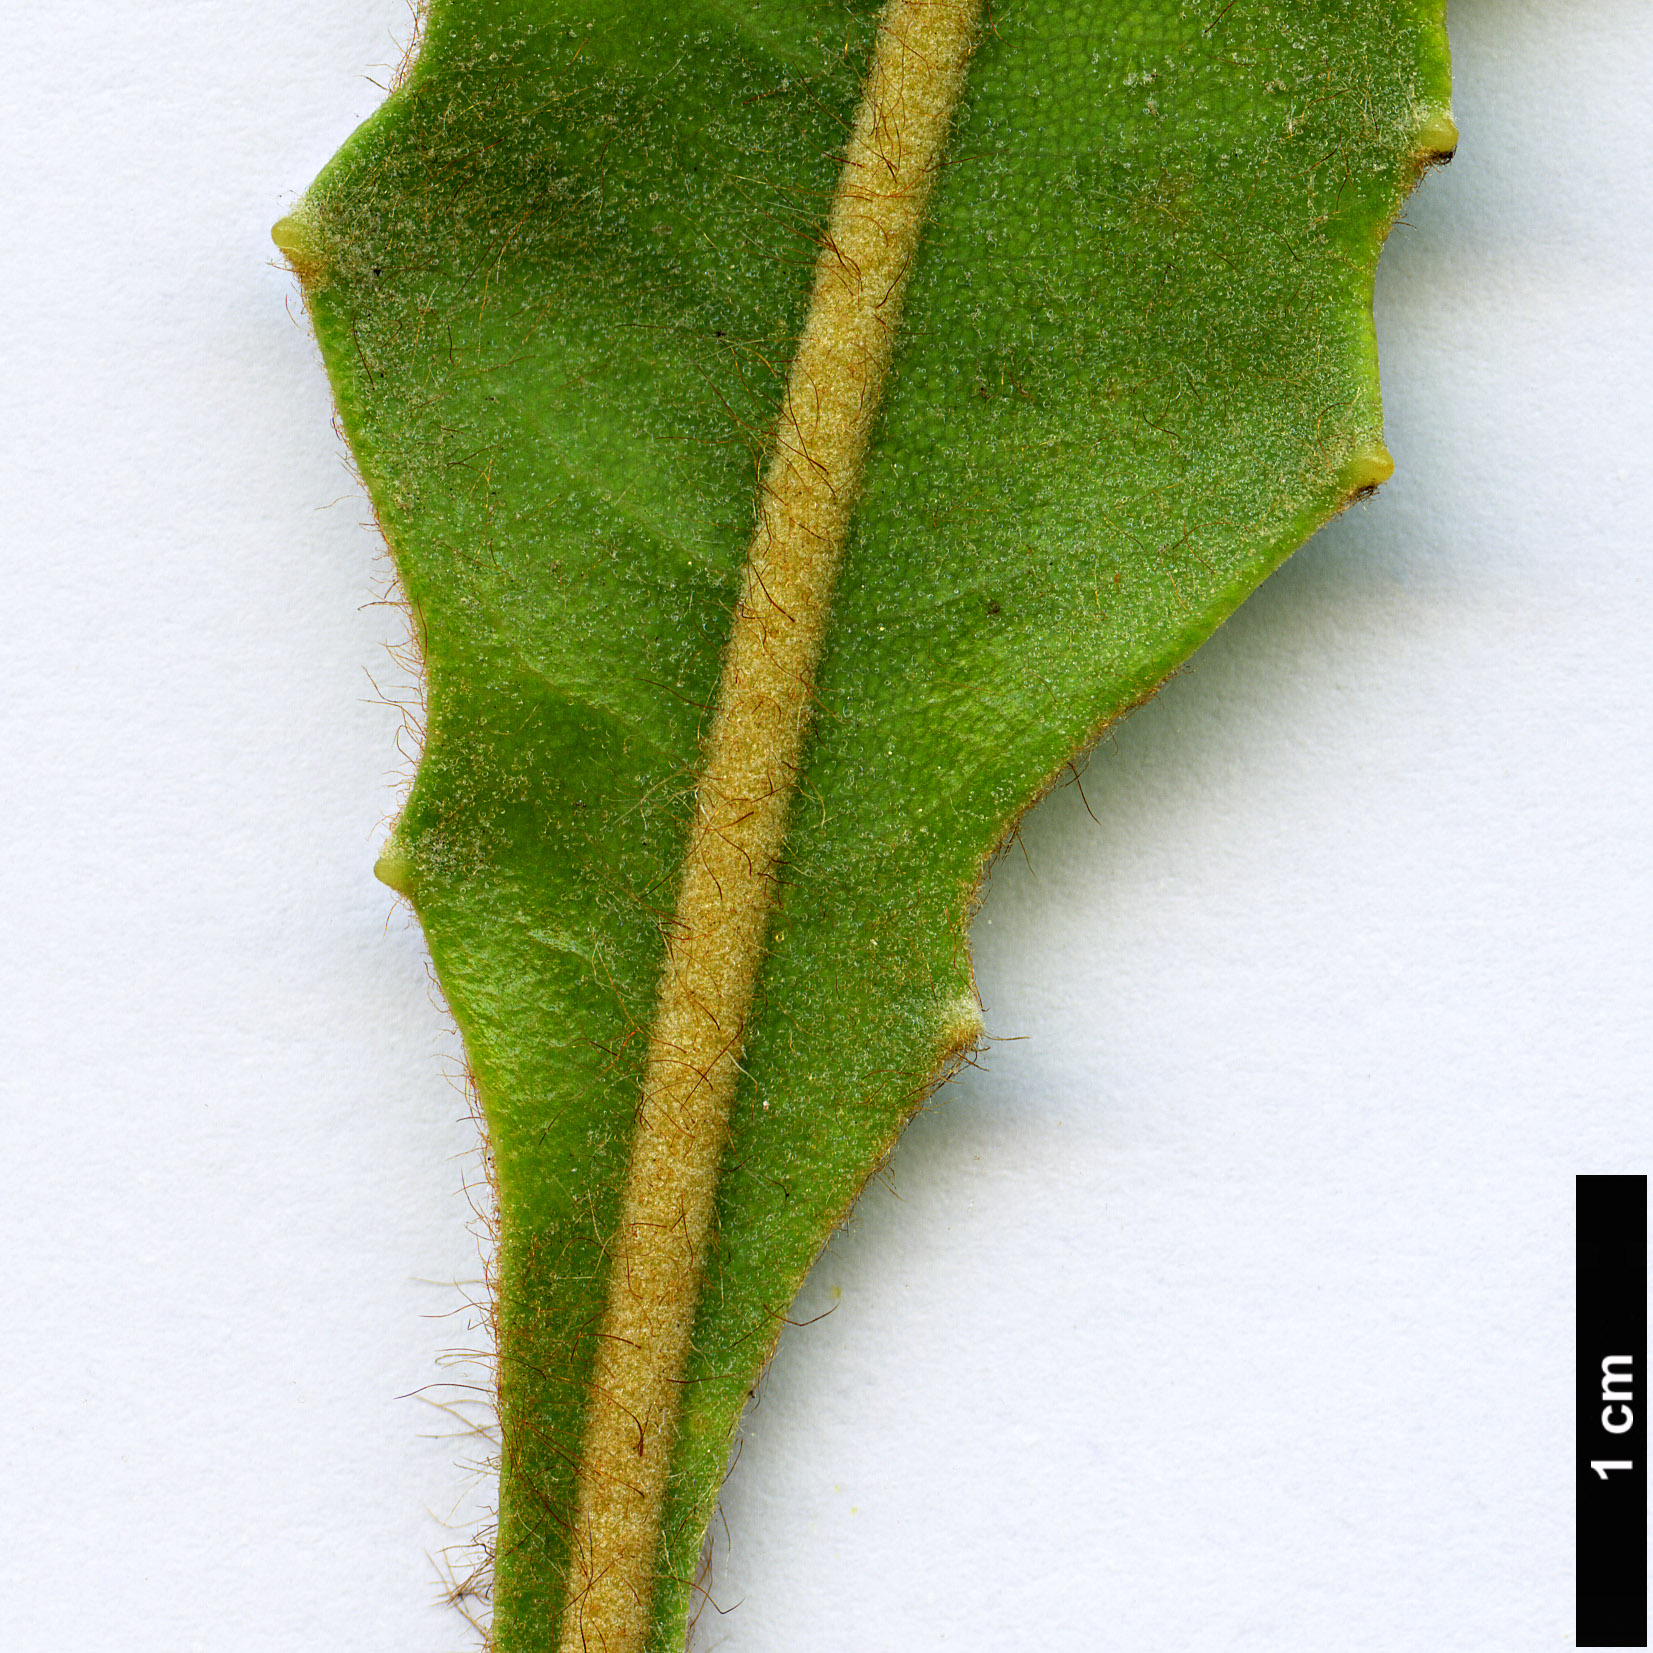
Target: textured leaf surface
column 557, row 281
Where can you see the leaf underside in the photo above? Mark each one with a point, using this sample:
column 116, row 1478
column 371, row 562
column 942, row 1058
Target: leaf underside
column 557, row 280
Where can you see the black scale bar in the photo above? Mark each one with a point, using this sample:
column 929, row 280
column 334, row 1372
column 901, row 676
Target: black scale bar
column 1613, row 1400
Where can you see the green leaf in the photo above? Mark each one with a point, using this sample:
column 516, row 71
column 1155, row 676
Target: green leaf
column 558, row 282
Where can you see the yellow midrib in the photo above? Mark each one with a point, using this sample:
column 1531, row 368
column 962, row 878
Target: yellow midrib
column 717, row 939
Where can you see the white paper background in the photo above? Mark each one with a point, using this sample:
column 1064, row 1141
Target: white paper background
column 1228, row 1306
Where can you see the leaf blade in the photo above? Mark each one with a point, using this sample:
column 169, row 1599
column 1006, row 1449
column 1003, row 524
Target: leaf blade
column 1079, row 395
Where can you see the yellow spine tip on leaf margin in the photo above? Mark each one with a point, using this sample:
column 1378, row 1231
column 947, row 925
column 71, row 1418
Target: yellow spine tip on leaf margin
column 1364, row 474
column 298, row 246
column 964, row 1026
column 394, row 868
column 1438, row 136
